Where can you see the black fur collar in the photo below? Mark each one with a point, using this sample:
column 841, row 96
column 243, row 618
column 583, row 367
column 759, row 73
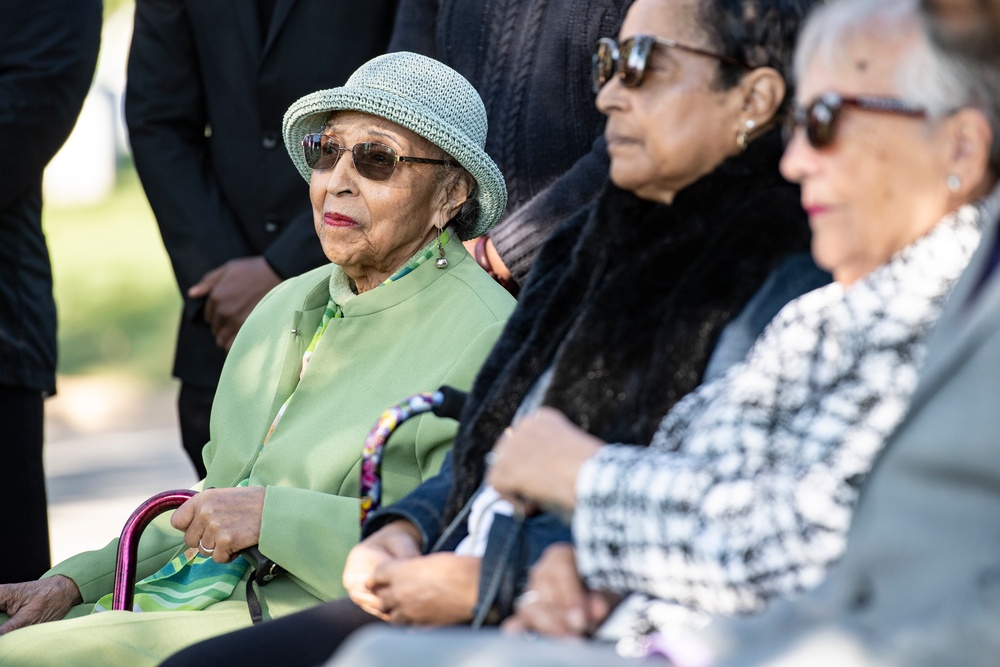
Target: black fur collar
column 628, row 300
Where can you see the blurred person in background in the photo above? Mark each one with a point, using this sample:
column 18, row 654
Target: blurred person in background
column 530, row 62
column 48, row 52
column 208, row 83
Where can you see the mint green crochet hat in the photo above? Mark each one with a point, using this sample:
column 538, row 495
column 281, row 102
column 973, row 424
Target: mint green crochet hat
column 424, row 96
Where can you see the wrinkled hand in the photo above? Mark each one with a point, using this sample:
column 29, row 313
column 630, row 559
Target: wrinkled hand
column 394, row 541
column 224, row 520
column 437, row 589
column 231, row 292
column 556, row 602
column 37, row 601
column 539, row 459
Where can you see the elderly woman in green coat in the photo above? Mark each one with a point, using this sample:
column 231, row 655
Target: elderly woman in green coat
column 397, row 179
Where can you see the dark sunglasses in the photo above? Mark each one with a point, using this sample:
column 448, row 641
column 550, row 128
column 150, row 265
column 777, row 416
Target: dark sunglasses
column 373, row 161
column 819, row 117
column 629, row 59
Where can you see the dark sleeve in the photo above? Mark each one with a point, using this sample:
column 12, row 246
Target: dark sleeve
column 511, row 550
column 48, row 52
column 520, row 235
column 166, row 117
column 295, row 250
column 794, row 277
column 416, row 27
column 423, row 507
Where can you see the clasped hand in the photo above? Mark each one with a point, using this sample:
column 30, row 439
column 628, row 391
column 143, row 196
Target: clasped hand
column 231, row 292
column 223, row 521
column 387, row 576
column 557, row 603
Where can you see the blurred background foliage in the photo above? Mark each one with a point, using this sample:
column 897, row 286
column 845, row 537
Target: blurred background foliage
column 110, row 6
column 118, row 305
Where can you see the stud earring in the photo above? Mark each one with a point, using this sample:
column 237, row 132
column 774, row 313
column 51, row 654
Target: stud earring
column 954, row 183
column 441, row 262
column 743, row 136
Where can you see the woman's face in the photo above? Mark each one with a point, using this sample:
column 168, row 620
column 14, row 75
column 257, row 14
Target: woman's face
column 882, row 182
column 370, row 228
column 675, row 127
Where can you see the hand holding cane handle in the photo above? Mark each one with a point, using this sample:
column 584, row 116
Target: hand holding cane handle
column 128, row 544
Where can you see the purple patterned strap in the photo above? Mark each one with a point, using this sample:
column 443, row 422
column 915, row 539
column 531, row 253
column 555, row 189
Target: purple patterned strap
column 371, row 453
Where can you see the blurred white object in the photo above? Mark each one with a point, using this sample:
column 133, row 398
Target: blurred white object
column 84, row 171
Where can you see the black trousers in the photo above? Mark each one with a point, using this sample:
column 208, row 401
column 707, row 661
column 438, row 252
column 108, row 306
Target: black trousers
column 24, row 520
column 194, row 410
column 304, row 639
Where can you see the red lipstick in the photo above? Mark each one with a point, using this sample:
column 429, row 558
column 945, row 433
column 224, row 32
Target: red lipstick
column 338, row 220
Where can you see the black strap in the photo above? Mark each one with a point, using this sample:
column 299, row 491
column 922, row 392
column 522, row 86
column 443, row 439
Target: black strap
column 263, row 572
column 256, row 616
column 485, row 605
column 264, row 569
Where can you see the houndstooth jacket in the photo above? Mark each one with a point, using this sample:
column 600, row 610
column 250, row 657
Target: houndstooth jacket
column 746, row 491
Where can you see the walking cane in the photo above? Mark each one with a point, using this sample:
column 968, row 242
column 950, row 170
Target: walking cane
column 446, row 402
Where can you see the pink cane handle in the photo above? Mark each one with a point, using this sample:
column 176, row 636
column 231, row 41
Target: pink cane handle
column 128, row 544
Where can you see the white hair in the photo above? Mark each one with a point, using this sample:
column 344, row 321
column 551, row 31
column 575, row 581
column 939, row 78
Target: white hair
column 924, row 75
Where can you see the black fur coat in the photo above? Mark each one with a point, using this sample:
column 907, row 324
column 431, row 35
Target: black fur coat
column 627, row 301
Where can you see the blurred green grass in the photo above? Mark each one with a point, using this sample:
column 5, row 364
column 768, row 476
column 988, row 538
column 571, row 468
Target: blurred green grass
column 118, row 305
column 111, row 6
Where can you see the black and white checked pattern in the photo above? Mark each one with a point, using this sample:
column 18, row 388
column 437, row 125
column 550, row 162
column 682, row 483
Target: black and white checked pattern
column 747, row 489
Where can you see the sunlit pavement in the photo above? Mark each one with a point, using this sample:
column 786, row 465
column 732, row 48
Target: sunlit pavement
column 110, row 444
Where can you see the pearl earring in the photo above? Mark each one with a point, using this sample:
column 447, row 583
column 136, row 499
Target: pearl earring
column 743, row 136
column 954, row 183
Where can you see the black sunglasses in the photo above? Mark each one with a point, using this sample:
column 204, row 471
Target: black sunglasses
column 373, row 161
column 819, row 117
column 629, row 59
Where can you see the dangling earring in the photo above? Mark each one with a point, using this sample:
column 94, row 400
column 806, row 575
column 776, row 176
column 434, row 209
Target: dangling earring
column 954, row 183
column 743, row 136
column 442, row 261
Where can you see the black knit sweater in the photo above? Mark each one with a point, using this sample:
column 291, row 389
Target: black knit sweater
column 627, row 302
column 530, row 62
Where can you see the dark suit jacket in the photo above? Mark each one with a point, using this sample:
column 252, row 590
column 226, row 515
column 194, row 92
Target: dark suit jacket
column 919, row 583
column 205, row 97
column 48, row 51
